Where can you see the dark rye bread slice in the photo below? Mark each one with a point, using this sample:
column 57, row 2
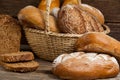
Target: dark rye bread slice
column 17, row 57
column 21, row 66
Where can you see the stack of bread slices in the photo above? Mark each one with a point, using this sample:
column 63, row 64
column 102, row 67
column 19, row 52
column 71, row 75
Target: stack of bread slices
column 19, row 62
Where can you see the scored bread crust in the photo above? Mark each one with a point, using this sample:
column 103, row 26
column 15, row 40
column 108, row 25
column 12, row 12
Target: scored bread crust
column 21, row 66
column 85, row 66
column 17, row 57
column 75, row 20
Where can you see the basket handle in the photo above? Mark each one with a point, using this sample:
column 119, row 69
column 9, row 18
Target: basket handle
column 47, row 22
column 79, row 2
column 107, row 29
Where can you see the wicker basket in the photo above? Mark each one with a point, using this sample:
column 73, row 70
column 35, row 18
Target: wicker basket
column 48, row 45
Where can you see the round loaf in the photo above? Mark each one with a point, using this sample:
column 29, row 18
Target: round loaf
column 85, row 66
column 94, row 11
column 73, row 19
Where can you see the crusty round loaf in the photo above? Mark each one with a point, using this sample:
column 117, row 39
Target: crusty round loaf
column 21, row 66
column 94, row 11
column 75, row 20
column 17, row 57
column 85, row 66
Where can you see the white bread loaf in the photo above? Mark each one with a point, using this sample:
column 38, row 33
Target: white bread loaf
column 85, row 66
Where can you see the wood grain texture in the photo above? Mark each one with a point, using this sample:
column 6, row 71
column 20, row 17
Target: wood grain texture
column 110, row 8
column 12, row 7
column 42, row 73
column 115, row 30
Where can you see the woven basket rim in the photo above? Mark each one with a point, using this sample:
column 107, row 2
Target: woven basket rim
column 61, row 34
column 52, row 33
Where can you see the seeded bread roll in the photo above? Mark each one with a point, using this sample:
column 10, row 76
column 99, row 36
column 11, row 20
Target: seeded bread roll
column 85, row 66
column 21, row 67
column 17, row 57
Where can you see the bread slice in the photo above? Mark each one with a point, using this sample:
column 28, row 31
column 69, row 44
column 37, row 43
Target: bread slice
column 21, row 66
column 17, row 57
column 10, row 34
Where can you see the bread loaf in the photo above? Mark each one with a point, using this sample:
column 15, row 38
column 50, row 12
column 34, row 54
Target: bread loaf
column 21, row 67
column 92, row 10
column 54, row 4
column 85, row 66
column 98, row 42
column 73, row 19
column 10, row 34
column 17, row 57
column 71, row 2
column 31, row 16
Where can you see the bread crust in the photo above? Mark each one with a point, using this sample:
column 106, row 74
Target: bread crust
column 10, row 34
column 75, row 20
column 73, row 2
column 94, row 11
column 17, row 57
column 31, row 16
column 85, row 66
column 54, row 4
column 21, row 66
column 98, row 42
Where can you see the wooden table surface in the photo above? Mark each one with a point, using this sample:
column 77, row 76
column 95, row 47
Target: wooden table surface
column 42, row 73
